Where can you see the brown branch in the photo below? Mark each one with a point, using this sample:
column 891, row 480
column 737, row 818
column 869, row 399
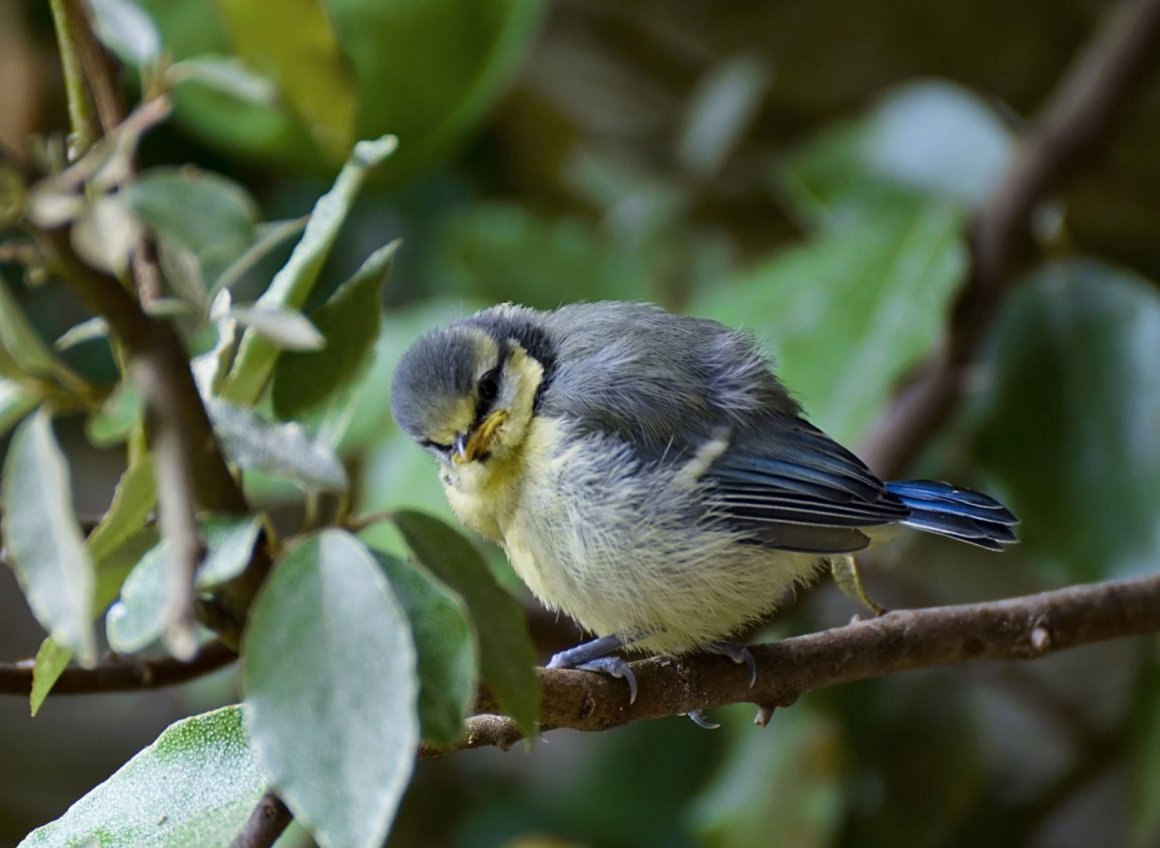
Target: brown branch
column 122, row 675
column 1018, row 628
column 1074, row 123
column 265, row 824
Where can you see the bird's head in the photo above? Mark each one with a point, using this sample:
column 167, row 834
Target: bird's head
column 466, row 393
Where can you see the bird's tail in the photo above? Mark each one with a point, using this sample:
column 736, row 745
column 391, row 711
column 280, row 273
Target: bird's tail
column 956, row 513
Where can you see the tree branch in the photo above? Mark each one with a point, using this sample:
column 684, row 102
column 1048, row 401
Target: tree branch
column 265, row 824
column 120, row 675
column 1068, row 131
column 1018, row 628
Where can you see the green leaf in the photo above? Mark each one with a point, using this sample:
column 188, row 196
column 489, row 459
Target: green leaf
column 297, row 49
column 786, row 780
column 138, row 618
column 126, row 30
column 1069, row 424
column 445, row 645
column 229, row 547
column 114, row 421
column 24, row 348
column 269, row 236
column 51, row 660
column 133, row 501
column 506, row 656
column 940, row 139
column 207, row 215
column 350, row 321
column 329, row 674
column 292, row 285
column 502, row 251
column 226, row 74
column 194, row 787
column 926, row 140
column 847, row 313
column 284, row 450
column 285, row 328
column 15, row 403
column 44, row 540
column 1145, row 755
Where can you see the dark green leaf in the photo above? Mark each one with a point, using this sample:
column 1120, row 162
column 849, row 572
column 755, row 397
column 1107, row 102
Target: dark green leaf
column 786, row 782
column 292, row 285
column 506, row 657
column 1069, row 425
column 445, row 645
column 331, row 689
column 298, row 50
column 22, row 347
column 849, row 312
column 502, row 251
column 210, row 217
column 284, row 450
column 350, row 322
column 44, row 540
column 194, row 787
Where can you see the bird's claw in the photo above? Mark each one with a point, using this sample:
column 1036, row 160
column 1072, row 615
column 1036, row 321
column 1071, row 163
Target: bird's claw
column 739, row 654
column 592, row 656
column 614, row 667
column 698, row 718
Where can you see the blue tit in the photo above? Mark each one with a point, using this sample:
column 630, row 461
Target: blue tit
column 648, row 475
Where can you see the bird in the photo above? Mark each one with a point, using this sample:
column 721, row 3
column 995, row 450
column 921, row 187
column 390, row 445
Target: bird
column 648, row 475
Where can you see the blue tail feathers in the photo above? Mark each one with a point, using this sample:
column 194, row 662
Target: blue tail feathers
column 960, row 514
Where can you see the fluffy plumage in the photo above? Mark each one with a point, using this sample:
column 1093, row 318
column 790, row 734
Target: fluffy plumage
column 651, row 477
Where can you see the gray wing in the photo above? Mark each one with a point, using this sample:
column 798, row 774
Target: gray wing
column 664, row 383
column 794, row 488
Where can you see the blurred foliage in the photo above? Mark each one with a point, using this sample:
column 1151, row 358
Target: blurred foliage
column 805, row 171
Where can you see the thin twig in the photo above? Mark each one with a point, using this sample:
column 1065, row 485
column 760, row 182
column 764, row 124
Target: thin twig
column 265, row 824
column 95, row 63
column 121, row 675
column 86, row 127
column 1018, row 628
column 1074, row 123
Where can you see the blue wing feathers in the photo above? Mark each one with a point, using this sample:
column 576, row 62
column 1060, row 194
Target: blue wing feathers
column 958, row 513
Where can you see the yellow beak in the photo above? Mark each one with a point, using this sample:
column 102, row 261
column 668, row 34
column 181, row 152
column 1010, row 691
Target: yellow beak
column 477, row 443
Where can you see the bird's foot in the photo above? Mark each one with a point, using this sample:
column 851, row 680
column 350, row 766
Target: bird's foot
column 739, row 654
column 698, row 718
column 594, row 656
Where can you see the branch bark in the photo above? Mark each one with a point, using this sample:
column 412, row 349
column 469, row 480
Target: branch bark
column 120, row 675
column 1076, row 120
column 1027, row 627
column 265, row 824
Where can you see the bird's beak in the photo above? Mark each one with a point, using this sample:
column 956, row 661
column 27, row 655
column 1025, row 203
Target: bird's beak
column 471, row 446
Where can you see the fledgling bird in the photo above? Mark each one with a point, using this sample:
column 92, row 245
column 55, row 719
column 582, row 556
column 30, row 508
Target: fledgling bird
column 647, row 473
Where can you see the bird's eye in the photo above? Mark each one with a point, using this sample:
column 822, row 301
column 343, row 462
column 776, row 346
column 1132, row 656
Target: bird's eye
column 489, row 386
column 437, row 446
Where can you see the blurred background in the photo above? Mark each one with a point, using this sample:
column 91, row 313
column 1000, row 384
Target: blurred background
column 804, row 170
